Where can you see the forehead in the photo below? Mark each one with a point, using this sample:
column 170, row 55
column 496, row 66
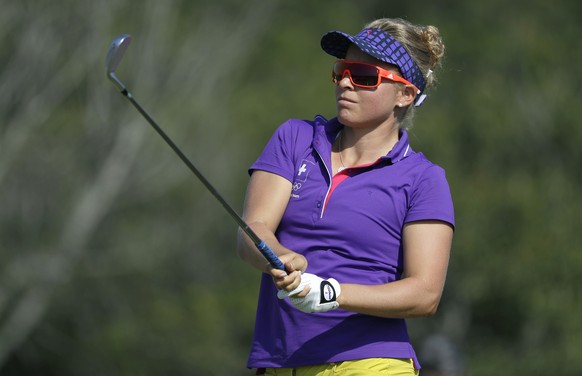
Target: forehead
column 357, row 55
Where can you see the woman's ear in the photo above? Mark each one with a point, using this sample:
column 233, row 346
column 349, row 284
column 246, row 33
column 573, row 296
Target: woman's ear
column 407, row 95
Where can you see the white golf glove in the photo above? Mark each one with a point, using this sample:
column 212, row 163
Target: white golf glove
column 322, row 296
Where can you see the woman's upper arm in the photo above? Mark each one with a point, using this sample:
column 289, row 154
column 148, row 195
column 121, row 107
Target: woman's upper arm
column 427, row 246
column 266, row 199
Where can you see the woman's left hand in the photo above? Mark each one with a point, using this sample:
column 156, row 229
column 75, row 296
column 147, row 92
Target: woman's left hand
column 314, row 294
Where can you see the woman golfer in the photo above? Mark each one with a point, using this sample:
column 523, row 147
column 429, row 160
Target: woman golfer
column 362, row 222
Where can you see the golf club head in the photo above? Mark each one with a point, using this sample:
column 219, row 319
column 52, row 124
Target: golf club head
column 114, row 55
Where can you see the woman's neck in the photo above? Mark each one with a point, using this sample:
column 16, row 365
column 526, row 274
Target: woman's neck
column 363, row 146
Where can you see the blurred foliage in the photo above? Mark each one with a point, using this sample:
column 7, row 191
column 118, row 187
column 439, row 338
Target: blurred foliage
column 115, row 261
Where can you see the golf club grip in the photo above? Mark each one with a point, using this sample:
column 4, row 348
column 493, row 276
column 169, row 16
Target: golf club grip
column 270, row 255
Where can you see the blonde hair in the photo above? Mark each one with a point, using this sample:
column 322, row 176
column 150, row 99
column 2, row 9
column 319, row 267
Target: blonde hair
column 423, row 43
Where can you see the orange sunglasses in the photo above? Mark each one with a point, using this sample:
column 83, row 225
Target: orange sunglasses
column 363, row 75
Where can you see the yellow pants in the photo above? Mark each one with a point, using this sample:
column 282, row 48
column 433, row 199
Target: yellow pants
column 362, row 367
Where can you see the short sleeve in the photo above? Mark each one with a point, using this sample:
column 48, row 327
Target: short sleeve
column 431, row 198
column 277, row 156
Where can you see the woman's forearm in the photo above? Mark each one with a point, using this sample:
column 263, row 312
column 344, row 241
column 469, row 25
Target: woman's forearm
column 249, row 253
column 409, row 297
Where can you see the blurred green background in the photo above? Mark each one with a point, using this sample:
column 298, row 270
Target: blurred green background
column 114, row 260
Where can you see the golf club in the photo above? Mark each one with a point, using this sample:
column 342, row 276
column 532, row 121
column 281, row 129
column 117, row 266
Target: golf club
column 114, row 56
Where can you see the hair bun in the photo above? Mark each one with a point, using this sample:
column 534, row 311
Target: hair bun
column 434, row 43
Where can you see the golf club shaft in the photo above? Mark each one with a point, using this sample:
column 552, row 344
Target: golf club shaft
column 260, row 244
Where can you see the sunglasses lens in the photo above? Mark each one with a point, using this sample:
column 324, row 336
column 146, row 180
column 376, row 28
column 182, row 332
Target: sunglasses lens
column 360, row 74
column 337, row 71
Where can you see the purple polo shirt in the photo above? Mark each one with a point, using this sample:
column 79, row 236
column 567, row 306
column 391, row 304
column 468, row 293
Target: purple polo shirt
column 355, row 238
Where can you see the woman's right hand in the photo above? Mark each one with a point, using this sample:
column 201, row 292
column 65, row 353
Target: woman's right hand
column 288, row 279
